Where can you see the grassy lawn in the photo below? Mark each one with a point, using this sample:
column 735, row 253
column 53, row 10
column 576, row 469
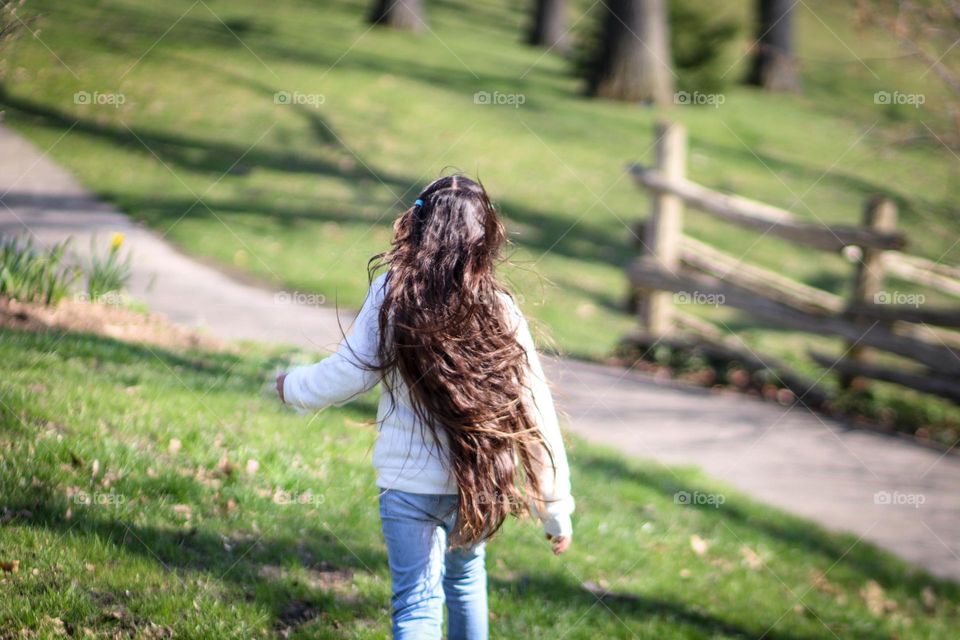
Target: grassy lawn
column 131, row 504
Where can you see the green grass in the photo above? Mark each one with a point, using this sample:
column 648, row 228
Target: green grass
column 120, row 534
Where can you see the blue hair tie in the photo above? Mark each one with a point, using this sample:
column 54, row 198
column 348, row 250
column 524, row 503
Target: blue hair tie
column 418, row 203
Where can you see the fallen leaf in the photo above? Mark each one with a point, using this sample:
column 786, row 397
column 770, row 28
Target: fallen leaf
column 751, row 557
column 699, row 545
column 226, row 467
column 11, row 566
column 57, row 623
column 876, row 599
column 819, row 580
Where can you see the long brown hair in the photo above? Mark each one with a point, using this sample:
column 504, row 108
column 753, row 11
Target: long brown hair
column 445, row 328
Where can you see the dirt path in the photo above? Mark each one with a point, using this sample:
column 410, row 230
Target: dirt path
column 853, row 480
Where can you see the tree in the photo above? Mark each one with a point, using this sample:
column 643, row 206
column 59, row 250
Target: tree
column 774, row 67
column 633, row 59
column 399, row 14
column 548, row 27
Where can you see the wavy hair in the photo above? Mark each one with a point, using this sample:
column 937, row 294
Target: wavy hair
column 445, row 328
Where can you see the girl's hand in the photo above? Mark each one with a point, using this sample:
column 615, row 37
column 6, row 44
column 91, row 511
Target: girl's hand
column 280, row 379
column 560, row 543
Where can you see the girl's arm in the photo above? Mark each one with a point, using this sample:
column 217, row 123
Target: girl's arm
column 347, row 373
column 558, row 502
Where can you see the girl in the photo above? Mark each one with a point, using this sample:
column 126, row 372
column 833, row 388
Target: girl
column 468, row 431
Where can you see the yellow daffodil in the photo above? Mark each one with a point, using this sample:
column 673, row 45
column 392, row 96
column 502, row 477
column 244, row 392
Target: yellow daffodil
column 116, row 241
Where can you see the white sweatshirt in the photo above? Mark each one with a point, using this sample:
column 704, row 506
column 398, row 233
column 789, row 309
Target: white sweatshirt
column 403, row 459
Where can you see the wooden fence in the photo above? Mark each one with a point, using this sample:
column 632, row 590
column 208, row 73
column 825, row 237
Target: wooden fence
column 674, row 265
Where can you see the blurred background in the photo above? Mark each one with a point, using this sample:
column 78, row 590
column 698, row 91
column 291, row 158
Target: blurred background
column 754, row 201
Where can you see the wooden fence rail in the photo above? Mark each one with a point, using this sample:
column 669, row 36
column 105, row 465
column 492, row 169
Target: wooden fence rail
column 674, row 264
column 763, row 217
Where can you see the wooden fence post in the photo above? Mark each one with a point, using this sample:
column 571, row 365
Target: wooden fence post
column 879, row 214
column 663, row 232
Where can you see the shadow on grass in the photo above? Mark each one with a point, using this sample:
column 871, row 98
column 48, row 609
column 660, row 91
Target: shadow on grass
column 99, row 349
column 192, row 369
column 254, row 566
column 255, row 570
column 627, row 607
column 132, row 32
column 909, row 204
column 193, row 154
column 844, row 549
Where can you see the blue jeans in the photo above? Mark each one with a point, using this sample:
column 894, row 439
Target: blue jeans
column 425, row 572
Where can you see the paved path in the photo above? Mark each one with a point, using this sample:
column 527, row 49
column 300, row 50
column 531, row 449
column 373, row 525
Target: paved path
column 42, row 200
column 787, row 457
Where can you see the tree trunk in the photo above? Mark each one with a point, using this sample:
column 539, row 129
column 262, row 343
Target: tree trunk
column 399, row 14
column 549, row 25
column 774, row 67
column 634, row 58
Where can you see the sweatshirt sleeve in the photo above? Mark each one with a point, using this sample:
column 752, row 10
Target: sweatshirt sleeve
column 558, row 503
column 345, row 375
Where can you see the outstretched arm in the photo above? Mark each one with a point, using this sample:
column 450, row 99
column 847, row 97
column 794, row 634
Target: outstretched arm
column 557, row 502
column 346, row 374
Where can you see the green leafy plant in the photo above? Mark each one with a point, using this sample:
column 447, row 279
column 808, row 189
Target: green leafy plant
column 32, row 274
column 110, row 274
